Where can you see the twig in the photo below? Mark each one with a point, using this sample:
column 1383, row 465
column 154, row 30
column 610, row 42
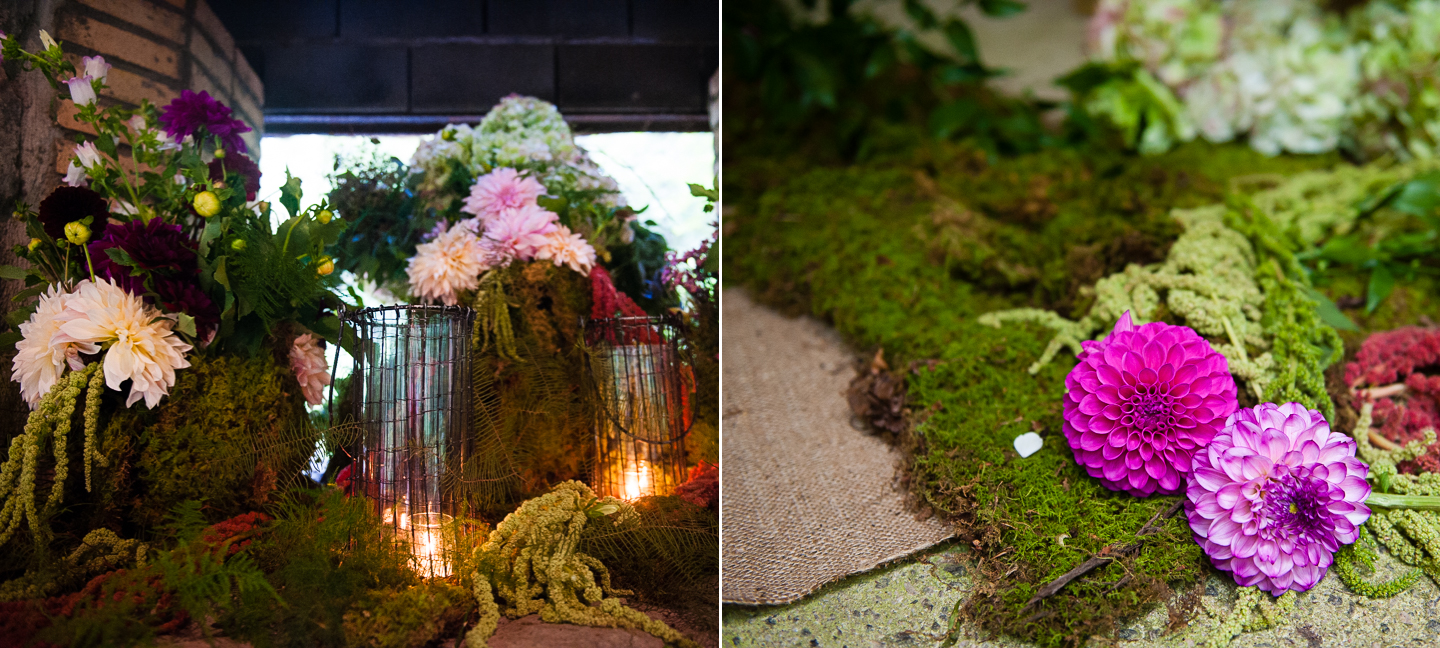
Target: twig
column 1095, row 561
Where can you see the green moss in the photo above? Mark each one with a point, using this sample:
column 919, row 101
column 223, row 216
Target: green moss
column 533, row 424
column 905, row 252
column 230, row 433
column 414, row 616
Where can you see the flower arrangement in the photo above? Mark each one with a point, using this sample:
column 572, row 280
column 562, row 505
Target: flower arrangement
column 1286, row 76
column 139, row 265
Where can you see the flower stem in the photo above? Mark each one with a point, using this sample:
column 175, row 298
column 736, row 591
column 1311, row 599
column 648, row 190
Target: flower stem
column 1412, row 502
column 88, row 264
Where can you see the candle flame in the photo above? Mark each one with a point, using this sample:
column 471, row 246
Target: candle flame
column 637, row 480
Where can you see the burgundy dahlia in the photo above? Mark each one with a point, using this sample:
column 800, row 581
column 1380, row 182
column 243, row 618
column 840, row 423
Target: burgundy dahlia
column 66, row 205
column 1275, row 495
column 1142, row 401
column 154, row 246
column 189, row 112
column 237, row 163
column 185, row 296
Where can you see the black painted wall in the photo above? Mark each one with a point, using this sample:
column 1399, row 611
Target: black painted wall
column 414, row 65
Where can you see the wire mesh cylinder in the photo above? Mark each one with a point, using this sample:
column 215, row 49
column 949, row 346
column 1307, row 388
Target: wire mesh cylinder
column 643, row 406
column 411, row 393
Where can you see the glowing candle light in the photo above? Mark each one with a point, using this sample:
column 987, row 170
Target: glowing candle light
column 637, row 480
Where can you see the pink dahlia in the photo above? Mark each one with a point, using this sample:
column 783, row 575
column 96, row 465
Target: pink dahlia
column 500, row 191
column 307, row 359
column 1275, row 495
column 1140, row 403
column 519, row 234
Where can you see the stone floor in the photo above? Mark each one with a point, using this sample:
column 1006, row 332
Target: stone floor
column 909, row 604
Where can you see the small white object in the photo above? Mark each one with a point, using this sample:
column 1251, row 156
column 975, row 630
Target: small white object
column 1028, row 444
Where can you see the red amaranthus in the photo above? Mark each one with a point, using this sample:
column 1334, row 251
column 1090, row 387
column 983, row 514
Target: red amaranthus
column 1393, row 369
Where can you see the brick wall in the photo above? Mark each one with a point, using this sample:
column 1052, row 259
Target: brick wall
column 156, row 49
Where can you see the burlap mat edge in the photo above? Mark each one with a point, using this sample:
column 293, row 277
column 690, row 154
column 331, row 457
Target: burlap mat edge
column 886, row 562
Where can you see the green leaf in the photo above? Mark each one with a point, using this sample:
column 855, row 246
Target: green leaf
column 1001, row 8
column 1329, row 312
column 30, row 292
column 120, row 256
column 20, row 315
column 290, row 193
column 1382, row 282
column 9, row 339
column 1420, row 197
column 221, row 276
column 958, row 33
column 12, row 272
column 186, row 325
column 208, row 235
column 106, row 144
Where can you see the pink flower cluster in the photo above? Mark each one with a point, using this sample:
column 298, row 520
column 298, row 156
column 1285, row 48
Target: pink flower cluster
column 513, row 226
column 1394, row 369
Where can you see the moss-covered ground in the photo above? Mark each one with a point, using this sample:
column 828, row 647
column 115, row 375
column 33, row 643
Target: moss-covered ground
column 905, row 250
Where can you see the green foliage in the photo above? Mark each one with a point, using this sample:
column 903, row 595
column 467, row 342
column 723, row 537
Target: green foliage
column 371, row 193
column 231, row 432
column 533, row 426
column 635, row 268
column 324, row 552
column 402, row 618
column 843, row 71
column 672, row 547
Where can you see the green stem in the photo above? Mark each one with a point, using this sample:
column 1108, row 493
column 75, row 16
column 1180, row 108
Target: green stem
column 88, row 264
column 1412, row 502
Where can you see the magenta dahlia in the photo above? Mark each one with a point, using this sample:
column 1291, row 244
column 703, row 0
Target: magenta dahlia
column 190, row 112
column 1275, row 495
column 1142, row 401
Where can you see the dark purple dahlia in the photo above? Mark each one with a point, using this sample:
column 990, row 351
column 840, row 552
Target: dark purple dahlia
column 234, row 163
column 66, row 205
column 154, row 246
column 1274, row 496
column 190, row 112
column 1140, row 403
column 184, row 296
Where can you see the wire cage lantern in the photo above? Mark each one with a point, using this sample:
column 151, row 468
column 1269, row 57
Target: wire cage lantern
column 411, row 393
column 644, row 396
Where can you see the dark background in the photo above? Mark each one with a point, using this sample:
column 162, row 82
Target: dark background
column 414, row 65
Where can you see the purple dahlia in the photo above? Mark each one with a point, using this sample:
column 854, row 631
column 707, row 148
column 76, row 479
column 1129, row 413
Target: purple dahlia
column 190, row 112
column 1275, row 495
column 156, row 245
column 238, row 163
column 66, row 205
column 1140, row 403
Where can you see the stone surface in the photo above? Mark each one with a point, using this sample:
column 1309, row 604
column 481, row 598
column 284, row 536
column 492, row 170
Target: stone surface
column 910, row 603
column 531, row 632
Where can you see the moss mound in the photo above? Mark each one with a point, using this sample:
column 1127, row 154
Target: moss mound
column 904, row 252
column 230, row 433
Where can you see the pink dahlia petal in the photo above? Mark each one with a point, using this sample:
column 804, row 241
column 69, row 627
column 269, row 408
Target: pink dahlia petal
column 1151, row 397
column 1288, row 494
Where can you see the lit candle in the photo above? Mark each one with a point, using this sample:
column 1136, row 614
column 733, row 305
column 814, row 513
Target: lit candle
column 427, row 546
column 637, row 480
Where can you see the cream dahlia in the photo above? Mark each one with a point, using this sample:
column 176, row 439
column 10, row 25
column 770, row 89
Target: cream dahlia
column 39, row 361
column 567, row 248
column 500, row 191
column 139, row 343
column 308, row 361
column 443, row 267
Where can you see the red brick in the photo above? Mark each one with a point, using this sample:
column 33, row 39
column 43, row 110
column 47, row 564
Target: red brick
column 211, row 25
column 120, row 44
column 160, row 21
column 218, row 63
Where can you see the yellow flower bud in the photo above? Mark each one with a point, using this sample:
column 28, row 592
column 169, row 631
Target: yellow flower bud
column 77, row 233
column 325, row 266
column 237, row 245
column 220, row 154
column 218, row 184
column 207, row 204
column 324, row 216
column 34, row 243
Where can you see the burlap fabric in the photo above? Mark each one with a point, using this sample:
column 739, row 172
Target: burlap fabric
column 806, row 497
